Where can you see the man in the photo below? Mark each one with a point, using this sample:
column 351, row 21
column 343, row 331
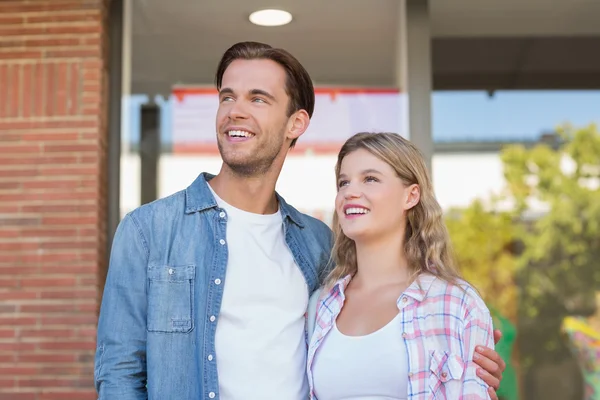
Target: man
column 207, row 289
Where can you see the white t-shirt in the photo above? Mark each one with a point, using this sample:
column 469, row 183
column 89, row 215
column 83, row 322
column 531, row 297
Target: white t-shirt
column 370, row 367
column 260, row 342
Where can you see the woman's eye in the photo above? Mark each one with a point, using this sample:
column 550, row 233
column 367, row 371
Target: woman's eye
column 342, row 183
column 371, row 179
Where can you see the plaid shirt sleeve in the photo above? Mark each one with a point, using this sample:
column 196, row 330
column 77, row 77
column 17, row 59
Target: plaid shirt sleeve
column 478, row 331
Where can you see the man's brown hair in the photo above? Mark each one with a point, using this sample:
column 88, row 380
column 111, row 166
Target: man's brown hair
column 298, row 85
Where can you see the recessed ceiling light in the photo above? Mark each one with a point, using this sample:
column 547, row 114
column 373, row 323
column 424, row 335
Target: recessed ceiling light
column 270, row 17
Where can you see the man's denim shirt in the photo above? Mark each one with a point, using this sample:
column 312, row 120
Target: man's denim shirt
column 163, row 294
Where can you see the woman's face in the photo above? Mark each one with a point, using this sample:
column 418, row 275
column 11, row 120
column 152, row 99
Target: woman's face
column 372, row 200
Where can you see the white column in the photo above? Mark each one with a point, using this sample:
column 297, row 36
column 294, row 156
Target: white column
column 414, row 66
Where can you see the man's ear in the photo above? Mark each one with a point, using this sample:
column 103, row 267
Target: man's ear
column 298, row 124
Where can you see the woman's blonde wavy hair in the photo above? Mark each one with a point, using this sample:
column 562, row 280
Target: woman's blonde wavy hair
column 426, row 243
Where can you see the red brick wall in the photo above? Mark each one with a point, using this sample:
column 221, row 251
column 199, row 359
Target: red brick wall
column 53, row 82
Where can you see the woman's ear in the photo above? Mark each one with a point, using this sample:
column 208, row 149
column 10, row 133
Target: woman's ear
column 413, row 196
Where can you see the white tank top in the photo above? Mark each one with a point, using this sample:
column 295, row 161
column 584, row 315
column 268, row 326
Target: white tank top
column 371, row 367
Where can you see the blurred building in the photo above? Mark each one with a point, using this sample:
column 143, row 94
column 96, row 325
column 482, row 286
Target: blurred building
column 76, row 75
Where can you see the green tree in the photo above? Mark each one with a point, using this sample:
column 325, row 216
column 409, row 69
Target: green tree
column 562, row 243
column 555, row 222
column 483, row 241
column 559, row 268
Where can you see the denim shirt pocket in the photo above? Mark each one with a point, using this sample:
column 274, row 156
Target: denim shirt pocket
column 445, row 378
column 171, row 298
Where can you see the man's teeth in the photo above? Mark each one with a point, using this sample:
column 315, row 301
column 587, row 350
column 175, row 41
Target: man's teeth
column 356, row 210
column 239, row 134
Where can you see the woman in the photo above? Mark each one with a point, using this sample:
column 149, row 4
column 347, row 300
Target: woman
column 394, row 319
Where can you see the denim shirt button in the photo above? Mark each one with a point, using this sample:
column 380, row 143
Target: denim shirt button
column 222, row 241
column 210, row 357
column 211, row 395
column 217, row 281
column 222, row 214
column 212, row 318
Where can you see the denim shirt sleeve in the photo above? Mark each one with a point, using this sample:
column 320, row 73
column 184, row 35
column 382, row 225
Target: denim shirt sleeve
column 120, row 363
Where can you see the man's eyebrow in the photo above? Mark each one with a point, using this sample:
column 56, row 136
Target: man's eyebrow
column 261, row 92
column 252, row 92
column 225, row 91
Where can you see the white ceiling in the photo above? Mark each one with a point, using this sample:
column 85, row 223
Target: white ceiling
column 353, row 42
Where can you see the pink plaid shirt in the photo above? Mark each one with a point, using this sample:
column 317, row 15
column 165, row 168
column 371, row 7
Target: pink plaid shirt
column 442, row 324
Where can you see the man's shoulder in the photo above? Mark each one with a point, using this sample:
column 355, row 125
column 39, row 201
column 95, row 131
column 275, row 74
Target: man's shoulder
column 163, row 208
column 312, row 224
column 316, row 224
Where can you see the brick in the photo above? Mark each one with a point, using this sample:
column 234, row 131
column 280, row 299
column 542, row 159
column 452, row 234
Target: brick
column 21, row 30
column 74, row 30
column 8, row 308
column 66, row 148
column 70, row 294
column 53, row 184
column 17, row 346
column 45, row 6
column 12, row 20
column 53, row 147
column 8, row 283
column 3, row 93
column 48, row 137
column 74, row 320
column 19, row 55
column 7, row 358
column 17, row 321
column 12, row 108
column 20, row 149
column 47, row 358
column 70, row 220
column 47, row 308
column 95, row 17
column 69, row 395
column 7, row 383
column 73, row 53
column 27, row 81
column 52, row 42
column 15, row 221
column 17, row 396
column 71, row 345
column 45, row 232
column 46, row 333
column 48, row 282
column 8, row 371
column 38, row 93
column 28, row 125
column 9, row 185
column 18, row 295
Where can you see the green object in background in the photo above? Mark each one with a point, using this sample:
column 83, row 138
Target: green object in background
column 584, row 342
column 509, row 387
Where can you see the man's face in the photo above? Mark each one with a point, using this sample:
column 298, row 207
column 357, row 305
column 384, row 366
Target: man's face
column 252, row 122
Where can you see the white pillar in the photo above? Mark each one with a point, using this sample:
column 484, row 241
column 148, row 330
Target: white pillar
column 414, row 66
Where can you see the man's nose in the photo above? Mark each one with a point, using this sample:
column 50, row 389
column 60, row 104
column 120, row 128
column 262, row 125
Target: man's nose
column 238, row 111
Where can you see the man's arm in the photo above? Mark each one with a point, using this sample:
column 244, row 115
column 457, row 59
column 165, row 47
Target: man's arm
column 477, row 332
column 120, row 365
column 492, row 365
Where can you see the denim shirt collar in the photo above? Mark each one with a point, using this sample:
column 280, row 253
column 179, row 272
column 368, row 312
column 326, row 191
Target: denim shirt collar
column 198, row 197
